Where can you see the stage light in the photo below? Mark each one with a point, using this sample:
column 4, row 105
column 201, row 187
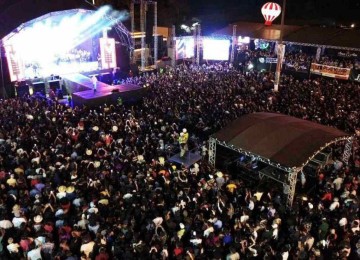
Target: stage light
column 193, row 26
column 352, row 25
column 185, row 28
column 250, row 66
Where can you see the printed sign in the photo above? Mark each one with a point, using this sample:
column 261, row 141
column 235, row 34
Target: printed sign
column 330, row 71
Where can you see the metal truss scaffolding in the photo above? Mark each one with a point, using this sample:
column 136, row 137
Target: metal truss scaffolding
column 173, row 46
column 143, row 11
column 233, row 44
column 292, row 178
column 123, row 34
column 143, row 29
column 292, row 172
column 198, row 43
column 212, row 151
column 195, row 43
column 348, row 150
column 132, row 14
column 155, row 35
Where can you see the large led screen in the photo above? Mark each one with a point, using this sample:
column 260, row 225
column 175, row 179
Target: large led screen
column 185, row 48
column 216, row 49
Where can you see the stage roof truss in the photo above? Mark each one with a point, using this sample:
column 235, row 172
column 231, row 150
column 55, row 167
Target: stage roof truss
column 123, row 34
column 278, row 165
column 257, row 157
column 265, row 173
column 347, row 138
column 222, row 36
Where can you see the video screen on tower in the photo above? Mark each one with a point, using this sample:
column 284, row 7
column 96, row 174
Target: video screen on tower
column 216, row 49
column 185, row 48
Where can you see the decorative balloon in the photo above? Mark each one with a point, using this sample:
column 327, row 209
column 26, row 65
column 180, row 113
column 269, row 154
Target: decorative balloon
column 270, row 11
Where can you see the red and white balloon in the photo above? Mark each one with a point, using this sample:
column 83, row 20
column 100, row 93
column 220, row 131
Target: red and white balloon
column 270, row 11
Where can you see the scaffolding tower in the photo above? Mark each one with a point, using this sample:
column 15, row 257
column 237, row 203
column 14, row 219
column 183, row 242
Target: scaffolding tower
column 173, row 45
column 198, row 43
column 233, row 44
column 143, row 12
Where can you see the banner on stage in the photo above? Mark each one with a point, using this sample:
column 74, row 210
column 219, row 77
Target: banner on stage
column 16, row 66
column 108, row 53
column 330, row 71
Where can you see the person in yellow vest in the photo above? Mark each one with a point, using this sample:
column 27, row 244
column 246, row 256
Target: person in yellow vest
column 186, row 135
column 12, row 181
column 185, row 139
column 182, row 143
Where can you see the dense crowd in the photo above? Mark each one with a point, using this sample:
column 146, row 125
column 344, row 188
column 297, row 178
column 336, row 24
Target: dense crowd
column 94, row 183
column 349, row 63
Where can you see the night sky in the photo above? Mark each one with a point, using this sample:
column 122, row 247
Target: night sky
column 218, row 13
column 215, row 13
column 338, row 11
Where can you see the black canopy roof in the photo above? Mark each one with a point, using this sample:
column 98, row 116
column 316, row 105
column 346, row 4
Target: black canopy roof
column 285, row 140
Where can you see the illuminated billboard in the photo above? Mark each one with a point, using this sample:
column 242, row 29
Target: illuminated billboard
column 185, row 48
column 216, row 49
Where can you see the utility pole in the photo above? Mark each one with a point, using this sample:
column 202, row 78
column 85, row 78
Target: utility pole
column 233, row 44
column 280, row 50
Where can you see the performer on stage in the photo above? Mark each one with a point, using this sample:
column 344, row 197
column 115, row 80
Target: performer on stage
column 183, row 139
column 186, row 134
column 182, row 144
column 94, row 81
column 113, row 74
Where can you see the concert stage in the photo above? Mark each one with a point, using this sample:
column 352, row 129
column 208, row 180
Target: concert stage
column 81, row 89
column 188, row 160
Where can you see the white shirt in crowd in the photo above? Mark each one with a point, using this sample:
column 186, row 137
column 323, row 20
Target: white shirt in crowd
column 13, row 247
column 34, row 254
column 244, row 218
column 338, row 182
column 233, row 256
column 17, row 221
column 83, row 223
column 285, row 255
column 343, row 222
column 87, row 248
column 275, row 233
column 251, row 205
column 334, row 205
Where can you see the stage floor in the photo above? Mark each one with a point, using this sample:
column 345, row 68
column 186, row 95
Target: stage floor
column 188, row 160
column 81, row 89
